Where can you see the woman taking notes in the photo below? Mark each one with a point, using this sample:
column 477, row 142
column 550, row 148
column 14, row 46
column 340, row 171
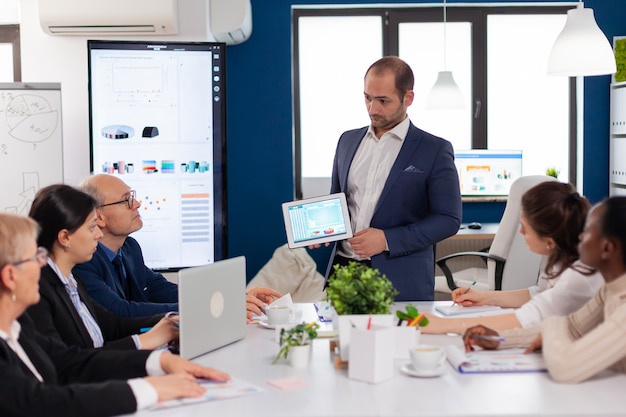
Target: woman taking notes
column 553, row 215
column 592, row 339
column 67, row 218
column 42, row 376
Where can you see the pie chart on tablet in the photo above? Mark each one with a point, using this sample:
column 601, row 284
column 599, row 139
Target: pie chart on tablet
column 118, row 132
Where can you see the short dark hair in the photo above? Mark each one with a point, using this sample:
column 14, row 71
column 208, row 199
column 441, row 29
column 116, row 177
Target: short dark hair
column 57, row 207
column 402, row 72
column 614, row 221
column 554, row 209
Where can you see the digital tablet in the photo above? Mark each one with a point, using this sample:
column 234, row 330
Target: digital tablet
column 317, row 220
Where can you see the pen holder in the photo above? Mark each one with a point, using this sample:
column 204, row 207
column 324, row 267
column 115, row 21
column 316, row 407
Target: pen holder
column 371, row 354
column 406, row 338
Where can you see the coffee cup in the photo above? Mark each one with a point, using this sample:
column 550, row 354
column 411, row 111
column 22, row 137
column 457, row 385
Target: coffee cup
column 427, row 357
column 278, row 315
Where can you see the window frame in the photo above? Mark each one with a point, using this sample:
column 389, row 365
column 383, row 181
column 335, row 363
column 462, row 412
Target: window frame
column 11, row 34
column 392, row 17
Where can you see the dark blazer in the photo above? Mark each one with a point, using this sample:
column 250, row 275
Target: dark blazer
column 420, row 205
column 55, row 316
column 150, row 292
column 63, row 368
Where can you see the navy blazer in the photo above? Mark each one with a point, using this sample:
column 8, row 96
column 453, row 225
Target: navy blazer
column 55, row 316
column 150, row 292
column 420, row 205
column 64, row 371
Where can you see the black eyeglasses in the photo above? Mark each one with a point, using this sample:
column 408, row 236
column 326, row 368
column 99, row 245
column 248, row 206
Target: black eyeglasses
column 130, row 200
column 40, row 257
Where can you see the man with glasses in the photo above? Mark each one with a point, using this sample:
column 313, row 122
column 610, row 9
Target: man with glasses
column 117, row 276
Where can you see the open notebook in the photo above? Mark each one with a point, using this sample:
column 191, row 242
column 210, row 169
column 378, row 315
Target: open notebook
column 494, row 361
column 458, row 310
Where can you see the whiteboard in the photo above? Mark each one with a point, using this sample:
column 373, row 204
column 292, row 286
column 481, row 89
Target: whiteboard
column 31, row 142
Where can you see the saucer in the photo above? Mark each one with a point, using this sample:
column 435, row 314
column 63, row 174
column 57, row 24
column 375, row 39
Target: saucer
column 266, row 324
column 430, row 373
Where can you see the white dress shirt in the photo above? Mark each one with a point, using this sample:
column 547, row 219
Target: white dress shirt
column 368, row 173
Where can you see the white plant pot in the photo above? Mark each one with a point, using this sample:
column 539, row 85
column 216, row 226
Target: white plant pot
column 298, row 356
column 345, row 322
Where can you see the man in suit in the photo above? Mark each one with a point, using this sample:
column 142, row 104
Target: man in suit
column 117, row 277
column 401, row 185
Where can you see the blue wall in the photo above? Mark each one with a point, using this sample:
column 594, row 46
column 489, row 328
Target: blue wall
column 260, row 140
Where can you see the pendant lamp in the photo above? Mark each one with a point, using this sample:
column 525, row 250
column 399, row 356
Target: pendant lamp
column 581, row 48
column 445, row 93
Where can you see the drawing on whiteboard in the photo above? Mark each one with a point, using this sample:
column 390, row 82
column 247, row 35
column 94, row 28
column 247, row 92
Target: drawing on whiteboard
column 31, row 118
column 30, row 186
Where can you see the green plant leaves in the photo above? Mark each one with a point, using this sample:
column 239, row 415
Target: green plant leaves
column 298, row 335
column 359, row 289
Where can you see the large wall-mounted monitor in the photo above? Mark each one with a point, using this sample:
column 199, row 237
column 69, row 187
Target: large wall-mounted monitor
column 485, row 172
column 157, row 120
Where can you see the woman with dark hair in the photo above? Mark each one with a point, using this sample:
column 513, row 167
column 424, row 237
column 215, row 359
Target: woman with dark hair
column 44, row 377
column 67, row 218
column 552, row 217
column 578, row 346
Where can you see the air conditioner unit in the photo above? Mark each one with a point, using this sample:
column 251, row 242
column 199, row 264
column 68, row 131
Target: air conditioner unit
column 109, row 17
column 230, row 20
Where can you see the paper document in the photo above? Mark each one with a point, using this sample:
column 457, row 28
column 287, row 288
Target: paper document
column 215, row 391
column 457, row 310
column 494, row 361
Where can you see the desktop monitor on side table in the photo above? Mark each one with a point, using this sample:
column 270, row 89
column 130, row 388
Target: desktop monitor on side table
column 484, row 172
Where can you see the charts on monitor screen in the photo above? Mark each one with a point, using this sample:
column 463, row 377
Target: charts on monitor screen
column 485, row 172
column 157, row 121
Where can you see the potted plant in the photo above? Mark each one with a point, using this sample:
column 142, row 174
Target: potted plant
column 360, row 295
column 295, row 343
column 553, row 172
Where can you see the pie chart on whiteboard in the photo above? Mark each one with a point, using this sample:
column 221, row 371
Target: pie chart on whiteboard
column 118, row 132
column 31, row 118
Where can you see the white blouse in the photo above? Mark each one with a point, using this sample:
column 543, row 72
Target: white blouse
column 558, row 296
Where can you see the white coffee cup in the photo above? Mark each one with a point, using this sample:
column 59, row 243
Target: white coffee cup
column 278, row 315
column 427, row 357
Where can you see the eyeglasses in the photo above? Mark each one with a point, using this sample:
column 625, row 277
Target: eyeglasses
column 41, row 257
column 130, row 200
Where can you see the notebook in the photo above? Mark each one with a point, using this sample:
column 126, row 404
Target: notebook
column 212, row 306
column 317, row 220
column 494, row 361
column 458, row 310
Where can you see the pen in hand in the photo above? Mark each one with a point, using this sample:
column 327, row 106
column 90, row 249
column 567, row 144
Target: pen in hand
column 488, row 337
column 466, row 291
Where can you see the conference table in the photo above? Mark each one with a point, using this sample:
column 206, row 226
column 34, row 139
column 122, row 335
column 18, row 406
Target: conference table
column 329, row 391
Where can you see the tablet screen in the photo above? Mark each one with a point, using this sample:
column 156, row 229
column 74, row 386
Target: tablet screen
column 317, row 220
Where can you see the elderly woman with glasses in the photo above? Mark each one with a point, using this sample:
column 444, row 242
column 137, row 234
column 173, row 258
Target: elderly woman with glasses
column 69, row 234
column 42, row 376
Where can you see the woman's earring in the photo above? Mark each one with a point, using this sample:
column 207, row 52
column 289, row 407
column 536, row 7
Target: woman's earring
column 13, row 297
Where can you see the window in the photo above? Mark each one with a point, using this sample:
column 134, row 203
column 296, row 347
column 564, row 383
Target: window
column 10, row 68
column 500, row 66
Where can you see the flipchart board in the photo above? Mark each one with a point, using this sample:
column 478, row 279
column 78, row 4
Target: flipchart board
column 31, row 142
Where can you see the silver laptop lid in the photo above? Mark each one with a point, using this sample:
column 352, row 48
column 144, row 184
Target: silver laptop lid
column 212, row 306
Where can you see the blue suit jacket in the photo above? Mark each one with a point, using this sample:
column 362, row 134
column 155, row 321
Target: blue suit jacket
column 150, row 292
column 420, row 205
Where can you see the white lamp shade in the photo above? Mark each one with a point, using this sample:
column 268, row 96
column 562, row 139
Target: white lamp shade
column 581, row 48
column 445, row 94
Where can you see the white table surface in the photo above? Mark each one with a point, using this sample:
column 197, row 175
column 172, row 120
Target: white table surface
column 331, row 393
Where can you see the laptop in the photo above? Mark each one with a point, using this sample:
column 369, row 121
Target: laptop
column 212, row 306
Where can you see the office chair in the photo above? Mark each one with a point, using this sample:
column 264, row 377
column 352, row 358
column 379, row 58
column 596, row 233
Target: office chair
column 509, row 263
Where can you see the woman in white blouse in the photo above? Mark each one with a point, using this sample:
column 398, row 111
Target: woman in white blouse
column 553, row 215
